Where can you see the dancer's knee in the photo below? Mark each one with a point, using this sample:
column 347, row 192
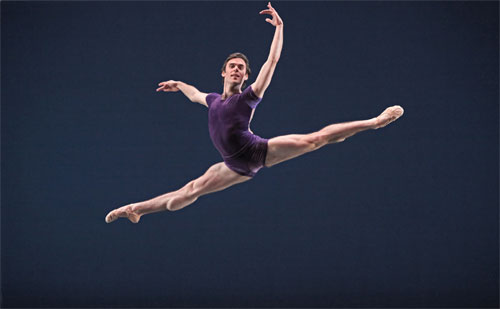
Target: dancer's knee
column 182, row 197
column 328, row 138
column 315, row 141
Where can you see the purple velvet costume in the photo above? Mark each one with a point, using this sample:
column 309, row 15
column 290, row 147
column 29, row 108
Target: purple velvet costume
column 228, row 124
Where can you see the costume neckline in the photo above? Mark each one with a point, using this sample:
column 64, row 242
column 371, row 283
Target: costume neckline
column 229, row 96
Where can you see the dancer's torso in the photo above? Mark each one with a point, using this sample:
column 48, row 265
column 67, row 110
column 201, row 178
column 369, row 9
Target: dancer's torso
column 229, row 120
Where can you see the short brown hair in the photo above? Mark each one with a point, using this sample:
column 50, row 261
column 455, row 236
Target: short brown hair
column 241, row 56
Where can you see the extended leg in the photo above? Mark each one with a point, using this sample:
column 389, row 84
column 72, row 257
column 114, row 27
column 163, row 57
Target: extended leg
column 286, row 147
column 217, row 177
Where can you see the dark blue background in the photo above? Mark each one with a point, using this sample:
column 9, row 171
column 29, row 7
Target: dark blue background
column 405, row 216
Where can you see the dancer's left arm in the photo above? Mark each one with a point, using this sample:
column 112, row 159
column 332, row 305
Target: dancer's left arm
column 266, row 72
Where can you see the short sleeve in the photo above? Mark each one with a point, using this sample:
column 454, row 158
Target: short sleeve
column 250, row 97
column 210, row 98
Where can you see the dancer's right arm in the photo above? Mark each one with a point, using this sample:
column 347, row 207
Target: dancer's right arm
column 189, row 91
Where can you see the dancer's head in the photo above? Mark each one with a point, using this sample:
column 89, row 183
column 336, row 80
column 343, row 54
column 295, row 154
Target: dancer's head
column 236, row 69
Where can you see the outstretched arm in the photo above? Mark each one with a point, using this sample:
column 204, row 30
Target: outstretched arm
column 189, row 91
column 266, row 72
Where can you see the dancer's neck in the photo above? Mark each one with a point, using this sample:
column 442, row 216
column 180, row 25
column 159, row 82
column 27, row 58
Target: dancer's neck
column 230, row 90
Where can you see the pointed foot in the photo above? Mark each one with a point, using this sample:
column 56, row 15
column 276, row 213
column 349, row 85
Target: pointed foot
column 123, row 212
column 389, row 115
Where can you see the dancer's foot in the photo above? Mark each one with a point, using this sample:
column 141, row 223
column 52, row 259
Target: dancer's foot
column 128, row 212
column 389, row 115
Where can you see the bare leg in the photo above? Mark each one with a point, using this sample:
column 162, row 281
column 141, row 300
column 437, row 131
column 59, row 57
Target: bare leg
column 218, row 177
column 286, row 147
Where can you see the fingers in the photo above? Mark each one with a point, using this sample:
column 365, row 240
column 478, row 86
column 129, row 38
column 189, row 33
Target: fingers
column 164, row 86
column 164, row 89
column 270, row 9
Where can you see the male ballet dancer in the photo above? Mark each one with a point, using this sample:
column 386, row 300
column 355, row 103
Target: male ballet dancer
column 229, row 117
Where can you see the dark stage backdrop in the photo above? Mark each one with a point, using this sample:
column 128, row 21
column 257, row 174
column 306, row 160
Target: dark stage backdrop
column 404, row 216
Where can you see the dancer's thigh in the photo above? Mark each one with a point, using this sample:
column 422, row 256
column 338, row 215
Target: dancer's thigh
column 287, row 147
column 217, row 177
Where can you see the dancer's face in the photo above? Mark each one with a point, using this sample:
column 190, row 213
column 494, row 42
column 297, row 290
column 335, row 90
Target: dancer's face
column 235, row 71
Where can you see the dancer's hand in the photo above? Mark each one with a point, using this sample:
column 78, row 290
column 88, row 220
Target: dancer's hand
column 170, row 86
column 276, row 21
